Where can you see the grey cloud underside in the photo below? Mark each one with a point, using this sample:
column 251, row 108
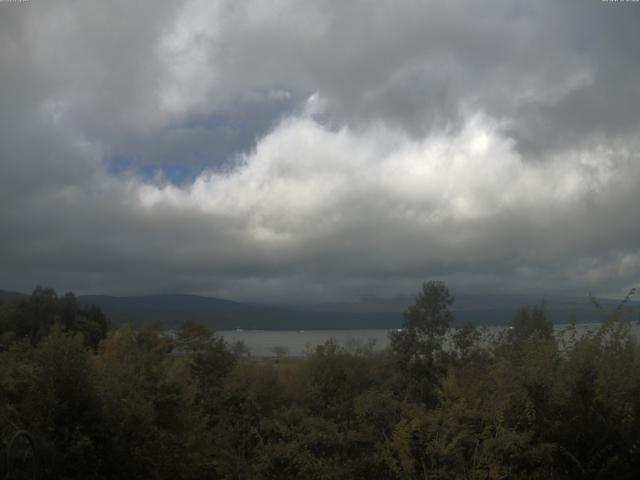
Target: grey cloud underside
column 225, row 86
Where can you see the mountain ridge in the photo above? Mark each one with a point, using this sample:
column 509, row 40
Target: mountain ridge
column 168, row 310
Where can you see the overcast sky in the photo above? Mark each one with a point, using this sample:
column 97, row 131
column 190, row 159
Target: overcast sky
column 322, row 150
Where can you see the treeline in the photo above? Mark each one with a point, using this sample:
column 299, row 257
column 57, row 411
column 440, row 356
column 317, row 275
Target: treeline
column 440, row 402
column 32, row 317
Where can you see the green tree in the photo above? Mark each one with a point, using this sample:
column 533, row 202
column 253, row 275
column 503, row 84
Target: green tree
column 209, row 359
column 150, row 425
column 33, row 317
column 529, row 322
column 418, row 346
column 240, row 349
column 48, row 390
column 466, row 343
column 279, row 351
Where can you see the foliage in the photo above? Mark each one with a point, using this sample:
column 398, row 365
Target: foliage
column 34, row 316
column 441, row 402
column 418, row 346
column 529, row 322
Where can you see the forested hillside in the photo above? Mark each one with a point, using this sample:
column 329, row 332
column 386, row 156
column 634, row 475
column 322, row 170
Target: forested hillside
column 133, row 404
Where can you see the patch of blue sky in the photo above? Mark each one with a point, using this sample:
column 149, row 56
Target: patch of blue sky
column 120, row 164
column 216, row 141
column 176, row 173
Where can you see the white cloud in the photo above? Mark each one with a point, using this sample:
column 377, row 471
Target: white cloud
column 304, row 172
column 490, row 144
column 378, row 202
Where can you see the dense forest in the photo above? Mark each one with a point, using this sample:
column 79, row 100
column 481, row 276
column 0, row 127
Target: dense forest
column 444, row 401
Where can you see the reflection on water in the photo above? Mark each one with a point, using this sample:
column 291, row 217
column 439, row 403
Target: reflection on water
column 264, row 343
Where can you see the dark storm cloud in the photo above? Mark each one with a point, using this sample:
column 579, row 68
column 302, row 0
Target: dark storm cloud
column 322, row 150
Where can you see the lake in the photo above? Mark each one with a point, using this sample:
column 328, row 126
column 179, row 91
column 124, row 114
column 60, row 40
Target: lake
column 261, row 343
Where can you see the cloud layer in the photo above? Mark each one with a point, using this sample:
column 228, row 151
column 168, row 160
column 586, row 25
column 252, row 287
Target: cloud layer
column 277, row 151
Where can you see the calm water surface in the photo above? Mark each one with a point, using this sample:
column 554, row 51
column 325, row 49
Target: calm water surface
column 261, row 343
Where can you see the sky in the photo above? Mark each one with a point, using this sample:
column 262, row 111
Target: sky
column 319, row 150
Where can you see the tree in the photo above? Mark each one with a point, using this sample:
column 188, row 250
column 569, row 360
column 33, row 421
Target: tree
column 48, row 390
column 151, row 428
column 34, row 316
column 466, row 342
column 529, row 322
column 418, row 347
column 240, row 349
column 209, row 359
column 279, row 351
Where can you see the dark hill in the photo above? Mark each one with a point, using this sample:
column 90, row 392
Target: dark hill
column 5, row 294
column 169, row 310
column 368, row 313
